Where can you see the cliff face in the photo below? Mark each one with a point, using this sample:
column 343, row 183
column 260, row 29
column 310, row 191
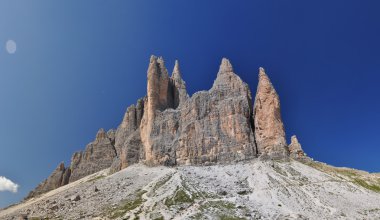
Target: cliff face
column 59, row 177
column 211, row 126
column 167, row 127
column 97, row 156
column 269, row 129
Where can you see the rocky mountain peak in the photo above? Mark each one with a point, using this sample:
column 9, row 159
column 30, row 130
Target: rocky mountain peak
column 176, row 75
column 101, row 135
column 60, row 167
column 167, row 127
column 163, row 71
column 179, row 86
column 225, row 66
column 295, row 148
column 269, row 128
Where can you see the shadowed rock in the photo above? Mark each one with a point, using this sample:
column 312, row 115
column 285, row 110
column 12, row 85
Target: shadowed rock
column 97, row 156
column 56, row 179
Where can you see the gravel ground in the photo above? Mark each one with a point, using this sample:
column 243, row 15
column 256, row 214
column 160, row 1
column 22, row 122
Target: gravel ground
column 251, row 190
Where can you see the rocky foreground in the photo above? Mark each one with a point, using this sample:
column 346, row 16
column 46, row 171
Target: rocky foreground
column 253, row 189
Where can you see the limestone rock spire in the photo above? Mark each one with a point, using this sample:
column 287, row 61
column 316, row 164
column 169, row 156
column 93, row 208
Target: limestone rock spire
column 225, row 66
column 269, row 129
column 162, row 69
column 295, row 148
column 100, row 135
column 176, row 71
column 179, row 86
column 159, row 98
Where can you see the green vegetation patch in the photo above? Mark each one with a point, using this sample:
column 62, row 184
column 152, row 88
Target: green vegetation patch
column 364, row 184
column 128, row 206
column 228, row 217
column 180, row 197
column 96, row 178
column 219, row 204
column 224, row 210
column 353, row 175
column 349, row 173
column 279, row 170
column 162, row 182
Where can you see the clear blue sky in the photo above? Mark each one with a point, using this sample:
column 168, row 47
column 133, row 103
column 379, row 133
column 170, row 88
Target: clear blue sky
column 80, row 64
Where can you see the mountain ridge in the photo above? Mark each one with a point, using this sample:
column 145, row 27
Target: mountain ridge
column 218, row 154
column 168, row 127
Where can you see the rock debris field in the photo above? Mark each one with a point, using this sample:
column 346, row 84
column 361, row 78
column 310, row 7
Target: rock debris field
column 247, row 190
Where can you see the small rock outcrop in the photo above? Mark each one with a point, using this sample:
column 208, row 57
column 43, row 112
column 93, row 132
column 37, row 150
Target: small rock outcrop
column 97, row 156
column 179, row 86
column 58, row 178
column 168, row 127
column 269, row 129
column 295, row 149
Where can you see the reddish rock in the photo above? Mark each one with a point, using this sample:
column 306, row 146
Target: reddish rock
column 269, row 129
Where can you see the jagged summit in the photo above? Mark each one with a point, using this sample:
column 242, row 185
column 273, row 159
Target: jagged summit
column 219, row 127
column 269, row 129
column 225, row 66
column 100, row 135
column 176, row 71
column 295, row 149
column 167, row 127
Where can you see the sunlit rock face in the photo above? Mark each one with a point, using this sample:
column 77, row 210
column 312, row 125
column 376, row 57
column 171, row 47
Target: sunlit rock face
column 211, row 126
column 168, row 127
column 296, row 151
column 269, row 129
column 216, row 124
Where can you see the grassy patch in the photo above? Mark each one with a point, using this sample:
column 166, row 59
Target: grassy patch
column 348, row 173
column 279, row 170
column 228, row 217
column 161, row 182
column 222, row 205
column 96, row 178
column 225, row 210
column 364, row 184
column 128, row 206
column 180, row 197
column 353, row 175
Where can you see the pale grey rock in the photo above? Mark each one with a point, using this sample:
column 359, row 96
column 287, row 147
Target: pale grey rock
column 296, row 151
column 97, row 156
column 211, row 126
column 248, row 190
column 178, row 86
column 56, row 179
column 127, row 138
column 167, row 127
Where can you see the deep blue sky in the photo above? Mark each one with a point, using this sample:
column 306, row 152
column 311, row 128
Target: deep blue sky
column 80, row 64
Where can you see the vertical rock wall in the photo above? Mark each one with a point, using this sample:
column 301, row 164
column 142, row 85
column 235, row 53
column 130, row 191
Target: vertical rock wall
column 168, row 127
column 269, row 129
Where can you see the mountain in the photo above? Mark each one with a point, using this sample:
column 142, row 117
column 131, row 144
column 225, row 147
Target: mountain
column 219, row 154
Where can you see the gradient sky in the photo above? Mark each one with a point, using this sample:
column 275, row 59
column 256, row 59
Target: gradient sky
column 80, row 64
